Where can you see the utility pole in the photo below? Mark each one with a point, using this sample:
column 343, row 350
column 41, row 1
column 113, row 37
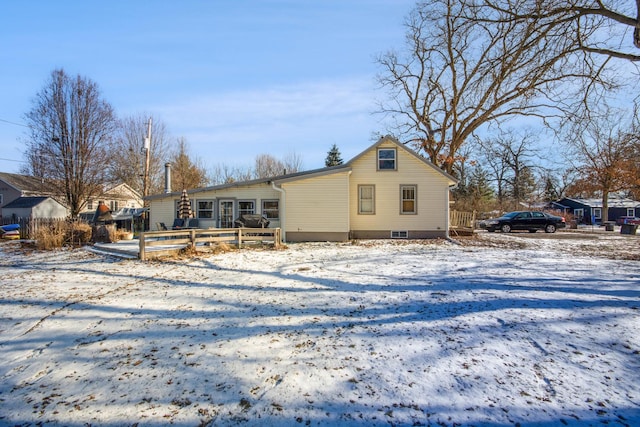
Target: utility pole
column 145, row 179
column 147, row 156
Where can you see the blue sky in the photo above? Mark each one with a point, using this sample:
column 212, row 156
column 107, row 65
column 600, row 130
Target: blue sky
column 234, row 78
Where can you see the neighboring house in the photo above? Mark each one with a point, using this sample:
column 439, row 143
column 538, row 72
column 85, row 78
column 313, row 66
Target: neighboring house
column 13, row 186
column 589, row 211
column 116, row 198
column 387, row 191
column 34, row 207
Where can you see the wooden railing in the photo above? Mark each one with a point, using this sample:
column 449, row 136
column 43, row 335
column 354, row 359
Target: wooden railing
column 193, row 237
column 458, row 219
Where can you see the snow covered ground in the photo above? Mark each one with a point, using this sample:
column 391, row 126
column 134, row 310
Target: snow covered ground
column 502, row 330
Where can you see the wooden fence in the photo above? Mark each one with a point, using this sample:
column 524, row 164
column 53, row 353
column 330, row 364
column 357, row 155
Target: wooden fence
column 165, row 242
column 30, row 226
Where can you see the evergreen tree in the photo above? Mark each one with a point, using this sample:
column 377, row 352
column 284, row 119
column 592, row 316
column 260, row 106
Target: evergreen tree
column 333, row 157
column 550, row 189
column 479, row 189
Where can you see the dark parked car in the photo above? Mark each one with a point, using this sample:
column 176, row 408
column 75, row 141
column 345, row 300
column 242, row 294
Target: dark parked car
column 524, row 220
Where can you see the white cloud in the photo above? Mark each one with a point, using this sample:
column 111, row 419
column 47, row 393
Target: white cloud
column 307, row 118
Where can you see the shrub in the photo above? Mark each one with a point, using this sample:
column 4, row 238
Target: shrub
column 62, row 233
column 79, row 233
column 51, row 237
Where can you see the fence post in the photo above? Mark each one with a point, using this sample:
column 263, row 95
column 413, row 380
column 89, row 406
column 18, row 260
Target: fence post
column 141, row 253
column 239, row 238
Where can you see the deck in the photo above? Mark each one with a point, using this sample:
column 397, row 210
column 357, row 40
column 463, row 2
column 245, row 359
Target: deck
column 158, row 244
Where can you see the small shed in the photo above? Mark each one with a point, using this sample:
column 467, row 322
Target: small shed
column 34, row 207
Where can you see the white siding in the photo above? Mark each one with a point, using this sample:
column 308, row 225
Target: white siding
column 163, row 209
column 318, row 204
column 49, row 208
column 432, row 193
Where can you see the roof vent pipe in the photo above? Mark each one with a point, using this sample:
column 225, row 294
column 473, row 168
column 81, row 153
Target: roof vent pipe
column 167, row 178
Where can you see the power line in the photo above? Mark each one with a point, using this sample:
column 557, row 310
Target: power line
column 12, row 160
column 14, row 123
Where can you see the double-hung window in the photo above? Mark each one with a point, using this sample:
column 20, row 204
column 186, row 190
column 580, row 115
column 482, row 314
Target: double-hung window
column 205, row 209
column 408, row 199
column 270, row 209
column 597, row 213
column 246, row 207
column 366, row 199
column 387, row 159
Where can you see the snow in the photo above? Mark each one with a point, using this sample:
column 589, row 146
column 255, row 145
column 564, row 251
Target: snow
column 499, row 330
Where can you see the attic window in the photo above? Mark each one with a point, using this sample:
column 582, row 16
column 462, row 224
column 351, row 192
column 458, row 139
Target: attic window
column 386, row 159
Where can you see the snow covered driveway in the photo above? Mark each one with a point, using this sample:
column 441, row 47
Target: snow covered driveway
column 503, row 331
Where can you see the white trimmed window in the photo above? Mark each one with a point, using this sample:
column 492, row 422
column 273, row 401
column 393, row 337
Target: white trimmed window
column 366, row 199
column 630, row 211
column 246, row 207
column 271, row 209
column 597, row 213
column 387, row 159
column 408, row 199
column 205, row 209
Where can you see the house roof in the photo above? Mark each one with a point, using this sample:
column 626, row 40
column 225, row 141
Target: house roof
column 613, row 202
column 279, row 178
column 26, row 202
column 310, row 173
column 23, row 183
column 121, row 191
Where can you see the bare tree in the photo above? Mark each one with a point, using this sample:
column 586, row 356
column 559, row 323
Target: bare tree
column 602, row 150
column 634, row 171
column 292, row 162
column 556, row 182
column 225, row 174
column 467, row 66
column 267, row 166
column 70, row 138
column 128, row 161
column 598, row 26
column 509, row 157
column 186, row 173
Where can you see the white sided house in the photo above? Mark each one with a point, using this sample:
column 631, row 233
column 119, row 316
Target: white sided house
column 387, row 191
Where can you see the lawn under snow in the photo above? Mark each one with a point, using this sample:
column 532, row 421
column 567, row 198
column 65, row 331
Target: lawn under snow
column 518, row 331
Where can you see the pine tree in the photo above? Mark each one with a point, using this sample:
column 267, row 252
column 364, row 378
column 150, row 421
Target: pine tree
column 333, row 157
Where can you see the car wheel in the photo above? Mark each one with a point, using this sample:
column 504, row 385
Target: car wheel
column 551, row 228
column 506, row 228
column 532, row 230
